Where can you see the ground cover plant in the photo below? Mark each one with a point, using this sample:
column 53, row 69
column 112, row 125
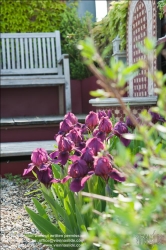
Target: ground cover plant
column 104, row 182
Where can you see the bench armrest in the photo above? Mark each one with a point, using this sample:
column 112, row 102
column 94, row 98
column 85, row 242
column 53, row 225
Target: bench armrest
column 60, row 61
column 63, row 68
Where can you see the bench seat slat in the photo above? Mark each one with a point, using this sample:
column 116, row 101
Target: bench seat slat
column 29, row 71
column 31, row 81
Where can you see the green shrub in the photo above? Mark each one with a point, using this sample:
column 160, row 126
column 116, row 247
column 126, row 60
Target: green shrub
column 31, row 16
column 114, row 24
column 73, row 29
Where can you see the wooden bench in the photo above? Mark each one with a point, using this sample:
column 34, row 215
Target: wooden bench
column 35, row 60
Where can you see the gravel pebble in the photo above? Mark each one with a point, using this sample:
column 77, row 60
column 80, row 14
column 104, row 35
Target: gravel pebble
column 15, row 221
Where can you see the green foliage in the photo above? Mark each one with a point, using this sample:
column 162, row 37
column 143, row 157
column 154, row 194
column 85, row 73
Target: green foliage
column 160, row 5
column 73, row 29
column 61, row 212
column 136, row 219
column 31, row 16
column 111, row 26
column 17, row 179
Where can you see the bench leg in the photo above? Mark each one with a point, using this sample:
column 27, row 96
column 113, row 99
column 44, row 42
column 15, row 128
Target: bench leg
column 67, row 85
column 61, row 100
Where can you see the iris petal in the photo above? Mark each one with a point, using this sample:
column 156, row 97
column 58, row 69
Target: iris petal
column 66, row 178
column 75, row 185
column 125, row 141
column 63, row 157
column 29, row 169
column 116, row 175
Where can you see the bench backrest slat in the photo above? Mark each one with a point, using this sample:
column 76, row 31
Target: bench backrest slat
column 39, row 52
column 44, row 52
column 3, row 59
column 17, row 53
column 13, row 54
column 48, row 53
column 22, row 53
column 30, row 53
column 8, row 54
column 26, row 54
column 52, row 52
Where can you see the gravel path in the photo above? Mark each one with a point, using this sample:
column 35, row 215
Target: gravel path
column 15, row 221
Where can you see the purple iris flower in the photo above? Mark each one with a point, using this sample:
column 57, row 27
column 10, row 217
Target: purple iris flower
column 84, row 129
column 66, row 125
column 39, row 158
column 71, row 117
column 104, row 169
column 64, row 143
column 78, row 171
column 88, row 156
column 120, row 128
column 45, row 176
column 79, row 148
column 65, row 146
column 104, row 113
column 95, row 144
column 99, row 134
column 59, row 133
column 60, row 157
column 75, row 136
column 78, row 125
column 105, row 125
column 129, row 123
column 91, row 120
column 156, row 117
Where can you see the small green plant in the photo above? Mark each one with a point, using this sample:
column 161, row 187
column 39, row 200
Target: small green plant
column 17, row 179
column 160, row 6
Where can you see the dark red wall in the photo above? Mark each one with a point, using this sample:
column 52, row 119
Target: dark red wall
column 80, row 94
column 29, row 101
column 44, row 100
column 17, row 134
